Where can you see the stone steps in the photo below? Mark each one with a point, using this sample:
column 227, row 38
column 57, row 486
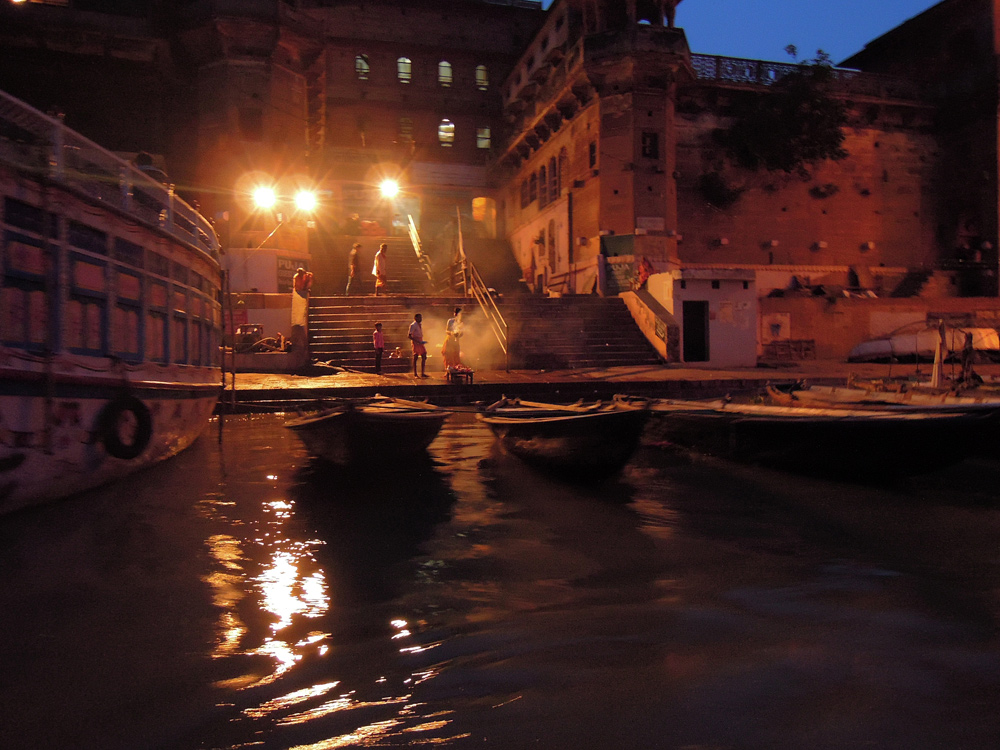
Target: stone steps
column 558, row 333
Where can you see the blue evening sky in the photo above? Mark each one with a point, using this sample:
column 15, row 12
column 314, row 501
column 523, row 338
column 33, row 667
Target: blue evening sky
column 761, row 29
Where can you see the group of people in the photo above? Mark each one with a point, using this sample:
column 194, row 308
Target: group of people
column 379, row 269
column 450, row 351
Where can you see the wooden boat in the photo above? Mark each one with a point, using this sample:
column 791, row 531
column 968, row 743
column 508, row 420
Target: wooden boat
column 844, row 442
column 583, row 440
column 110, row 316
column 911, row 399
column 369, row 429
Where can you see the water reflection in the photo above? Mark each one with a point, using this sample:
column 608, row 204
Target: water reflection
column 246, row 596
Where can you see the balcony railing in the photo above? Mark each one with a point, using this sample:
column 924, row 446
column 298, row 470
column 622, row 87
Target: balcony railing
column 739, row 71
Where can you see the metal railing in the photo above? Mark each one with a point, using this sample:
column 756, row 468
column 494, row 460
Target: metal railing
column 43, row 145
column 738, row 70
column 422, row 258
column 475, row 287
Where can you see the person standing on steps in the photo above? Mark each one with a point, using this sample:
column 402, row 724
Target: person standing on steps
column 416, row 337
column 379, row 270
column 353, row 261
column 378, row 341
column 452, row 350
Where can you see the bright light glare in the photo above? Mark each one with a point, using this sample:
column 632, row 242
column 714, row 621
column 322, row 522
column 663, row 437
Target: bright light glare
column 264, row 197
column 305, row 200
column 389, row 188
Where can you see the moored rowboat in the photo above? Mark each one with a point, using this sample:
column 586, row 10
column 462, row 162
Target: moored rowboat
column 578, row 440
column 868, row 443
column 367, row 430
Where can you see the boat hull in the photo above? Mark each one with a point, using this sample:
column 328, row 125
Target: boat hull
column 368, row 433
column 845, row 443
column 86, row 433
column 575, row 445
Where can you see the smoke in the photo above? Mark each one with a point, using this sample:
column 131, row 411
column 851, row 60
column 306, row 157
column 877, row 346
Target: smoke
column 480, row 349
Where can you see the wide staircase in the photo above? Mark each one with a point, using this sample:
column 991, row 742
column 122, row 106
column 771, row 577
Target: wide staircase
column 407, row 276
column 544, row 334
column 574, row 332
column 340, row 328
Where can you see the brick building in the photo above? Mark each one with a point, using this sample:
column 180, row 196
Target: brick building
column 580, row 136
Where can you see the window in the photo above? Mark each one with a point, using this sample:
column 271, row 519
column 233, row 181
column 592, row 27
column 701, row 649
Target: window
column 482, row 137
column 87, row 238
column 404, row 69
column 563, row 167
column 532, row 188
column 524, row 194
column 592, row 154
column 553, row 180
column 405, row 130
column 362, row 67
column 444, row 73
column 446, row 133
column 482, row 78
column 553, row 257
column 543, row 187
column 650, row 145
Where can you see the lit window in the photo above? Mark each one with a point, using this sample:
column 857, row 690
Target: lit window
column 444, row 73
column 405, row 129
column 361, row 67
column 482, row 137
column 482, row 78
column 404, row 69
column 446, row 133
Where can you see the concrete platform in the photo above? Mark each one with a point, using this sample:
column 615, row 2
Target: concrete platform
column 274, row 392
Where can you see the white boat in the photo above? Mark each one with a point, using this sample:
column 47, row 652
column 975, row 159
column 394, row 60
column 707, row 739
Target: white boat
column 110, row 318
column 913, row 398
column 367, row 431
column 918, row 342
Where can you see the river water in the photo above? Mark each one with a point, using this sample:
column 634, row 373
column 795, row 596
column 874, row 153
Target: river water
column 243, row 595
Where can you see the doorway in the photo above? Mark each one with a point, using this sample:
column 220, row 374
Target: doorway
column 695, row 331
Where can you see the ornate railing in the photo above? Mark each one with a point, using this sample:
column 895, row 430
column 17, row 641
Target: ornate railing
column 740, row 71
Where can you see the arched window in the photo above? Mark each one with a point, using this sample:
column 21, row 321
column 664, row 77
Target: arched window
column 553, row 180
column 361, row 67
column 563, row 166
column 444, row 73
column 446, row 133
column 553, row 260
column 543, row 187
column 482, row 78
column 404, row 69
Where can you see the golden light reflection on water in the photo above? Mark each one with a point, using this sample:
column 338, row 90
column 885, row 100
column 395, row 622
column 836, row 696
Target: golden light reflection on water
column 290, row 587
column 275, row 600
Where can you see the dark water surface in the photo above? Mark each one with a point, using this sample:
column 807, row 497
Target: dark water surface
column 245, row 596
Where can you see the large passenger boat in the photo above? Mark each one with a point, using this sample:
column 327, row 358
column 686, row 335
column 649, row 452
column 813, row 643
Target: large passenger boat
column 110, row 317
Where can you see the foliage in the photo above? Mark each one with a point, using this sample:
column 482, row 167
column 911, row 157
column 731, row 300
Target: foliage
column 717, row 191
column 796, row 124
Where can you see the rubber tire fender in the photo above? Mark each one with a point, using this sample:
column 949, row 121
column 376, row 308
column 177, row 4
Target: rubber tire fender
column 107, row 427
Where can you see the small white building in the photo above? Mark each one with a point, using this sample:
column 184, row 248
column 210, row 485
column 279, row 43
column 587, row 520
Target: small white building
column 716, row 312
